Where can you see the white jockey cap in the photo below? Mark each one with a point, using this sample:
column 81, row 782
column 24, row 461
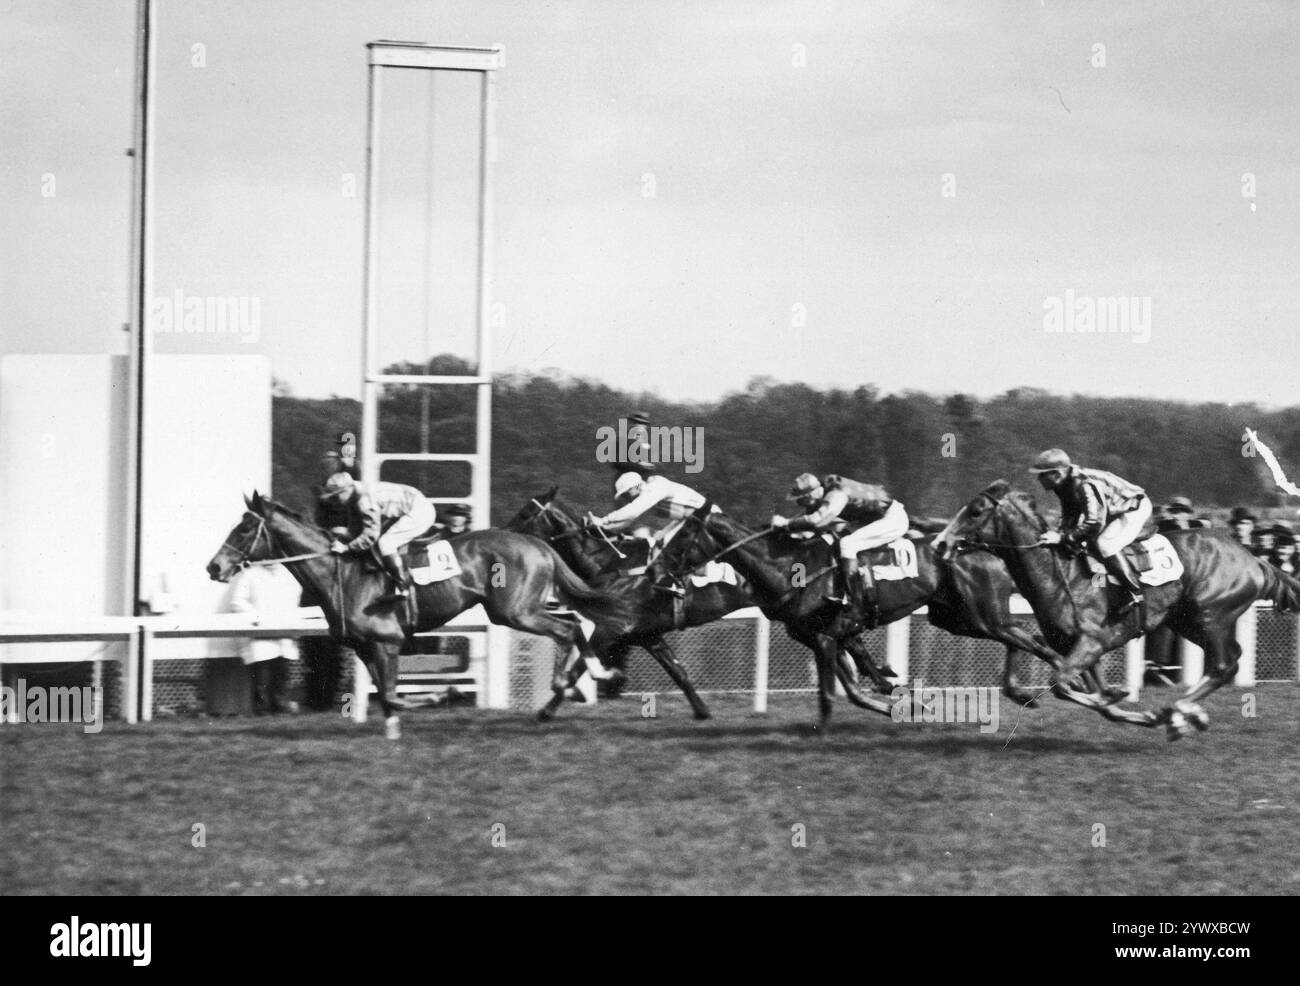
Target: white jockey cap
column 626, row 482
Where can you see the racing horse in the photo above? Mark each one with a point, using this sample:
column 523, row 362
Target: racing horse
column 596, row 558
column 790, row 581
column 1221, row 580
column 519, row 581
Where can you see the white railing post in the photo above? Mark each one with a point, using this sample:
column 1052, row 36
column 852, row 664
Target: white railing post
column 495, row 650
column 146, row 673
column 360, row 689
column 1135, row 667
column 1247, row 640
column 762, row 644
column 898, row 653
column 131, row 679
column 1193, row 662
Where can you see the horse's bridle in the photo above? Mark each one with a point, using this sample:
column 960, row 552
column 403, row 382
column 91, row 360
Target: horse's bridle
column 968, row 543
column 245, row 553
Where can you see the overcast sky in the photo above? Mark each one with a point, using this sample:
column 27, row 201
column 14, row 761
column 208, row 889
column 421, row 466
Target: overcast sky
column 799, row 226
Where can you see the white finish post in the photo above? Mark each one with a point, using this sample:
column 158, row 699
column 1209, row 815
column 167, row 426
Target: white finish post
column 1247, row 639
column 762, row 646
column 898, row 647
column 1135, row 667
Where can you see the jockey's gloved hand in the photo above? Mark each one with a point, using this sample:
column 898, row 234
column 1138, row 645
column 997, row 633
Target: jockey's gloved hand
column 779, row 521
column 338, row 547
column 1050, row 537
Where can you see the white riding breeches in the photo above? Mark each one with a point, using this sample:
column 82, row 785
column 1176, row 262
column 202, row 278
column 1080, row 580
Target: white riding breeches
column 1123, row 530
column 877, row 534
column 407, row 527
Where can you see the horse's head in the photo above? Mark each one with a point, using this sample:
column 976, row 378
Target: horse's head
column 536, row 516
column 976, row 522
column 265, row 532
column 248, row 541
column 696, row 543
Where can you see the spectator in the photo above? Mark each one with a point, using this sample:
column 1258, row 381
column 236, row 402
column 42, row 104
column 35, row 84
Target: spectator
column 1284, row 553
column 1177, row 515
column 1243, row 526
column 456, row 519
column 266, row 593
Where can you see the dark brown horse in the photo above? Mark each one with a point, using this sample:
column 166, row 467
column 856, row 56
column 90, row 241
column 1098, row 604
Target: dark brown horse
column 519, row 580
column 791, row 579
column 1220, row 581
column 597, row 560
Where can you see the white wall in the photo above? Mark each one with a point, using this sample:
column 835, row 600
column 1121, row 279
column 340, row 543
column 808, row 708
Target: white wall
column 62, row 480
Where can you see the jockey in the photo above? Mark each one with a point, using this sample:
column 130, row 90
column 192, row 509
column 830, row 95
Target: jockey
column 654, row 507
column 873, row 519
column 388, row 514
column 1097, row 508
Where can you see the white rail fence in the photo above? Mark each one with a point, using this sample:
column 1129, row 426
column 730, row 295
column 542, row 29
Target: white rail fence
column 740, row 654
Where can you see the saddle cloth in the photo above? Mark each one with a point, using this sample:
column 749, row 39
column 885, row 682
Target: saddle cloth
column 1153, row 558
column 715, row 572
column 434, row 561
column 892, row 563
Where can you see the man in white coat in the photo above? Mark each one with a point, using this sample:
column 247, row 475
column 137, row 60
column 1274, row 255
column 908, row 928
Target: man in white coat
column 267, row 593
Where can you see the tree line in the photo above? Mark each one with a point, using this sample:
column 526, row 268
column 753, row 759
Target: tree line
column 933, row 452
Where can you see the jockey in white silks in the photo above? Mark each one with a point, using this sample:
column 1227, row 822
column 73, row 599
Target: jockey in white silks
column 1100, row 509
column 389, row 515
column 874, row 519
column 655, row 508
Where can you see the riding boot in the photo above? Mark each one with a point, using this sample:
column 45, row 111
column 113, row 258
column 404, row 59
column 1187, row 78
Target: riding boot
column 396, row 569
column 1119, row 566
column 863, row 591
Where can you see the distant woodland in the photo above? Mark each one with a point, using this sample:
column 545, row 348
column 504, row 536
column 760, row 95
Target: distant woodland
column 931, row 451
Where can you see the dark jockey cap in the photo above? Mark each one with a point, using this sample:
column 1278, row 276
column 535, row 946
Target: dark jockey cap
column 1053, row 460
column 1179, row 505
column 1241, row 513
column 640, row 418
column 456, row 510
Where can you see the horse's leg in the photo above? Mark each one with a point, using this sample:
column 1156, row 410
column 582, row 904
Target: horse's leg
column 659, row 649
column 1223, row 653
column 381, row 662
column 847, row 671
column 1082, row 657
column 827, row 650
column 856, row 647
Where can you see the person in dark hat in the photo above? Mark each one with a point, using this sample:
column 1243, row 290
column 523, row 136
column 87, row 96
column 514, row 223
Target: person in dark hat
column 1242, row 522
column 1178, row 515
column 457, row 517
column 1283, row 556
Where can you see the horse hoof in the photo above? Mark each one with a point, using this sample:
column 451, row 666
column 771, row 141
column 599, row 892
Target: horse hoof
column 393, row 728
column 703, row 714
column 1177, row 727
column 545, row 715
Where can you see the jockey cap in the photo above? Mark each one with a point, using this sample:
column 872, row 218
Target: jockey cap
column 805, row 484
column 626, row 483
column 1053, row 460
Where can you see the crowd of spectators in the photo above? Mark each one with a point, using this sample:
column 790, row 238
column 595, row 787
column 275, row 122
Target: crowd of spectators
column 1272, row 540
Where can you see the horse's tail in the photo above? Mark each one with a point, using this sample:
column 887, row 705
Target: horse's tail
column 1282, row 589
column 595, row 604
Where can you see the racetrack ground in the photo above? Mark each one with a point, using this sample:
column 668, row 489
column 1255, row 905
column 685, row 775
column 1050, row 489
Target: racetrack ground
column 604, row 801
